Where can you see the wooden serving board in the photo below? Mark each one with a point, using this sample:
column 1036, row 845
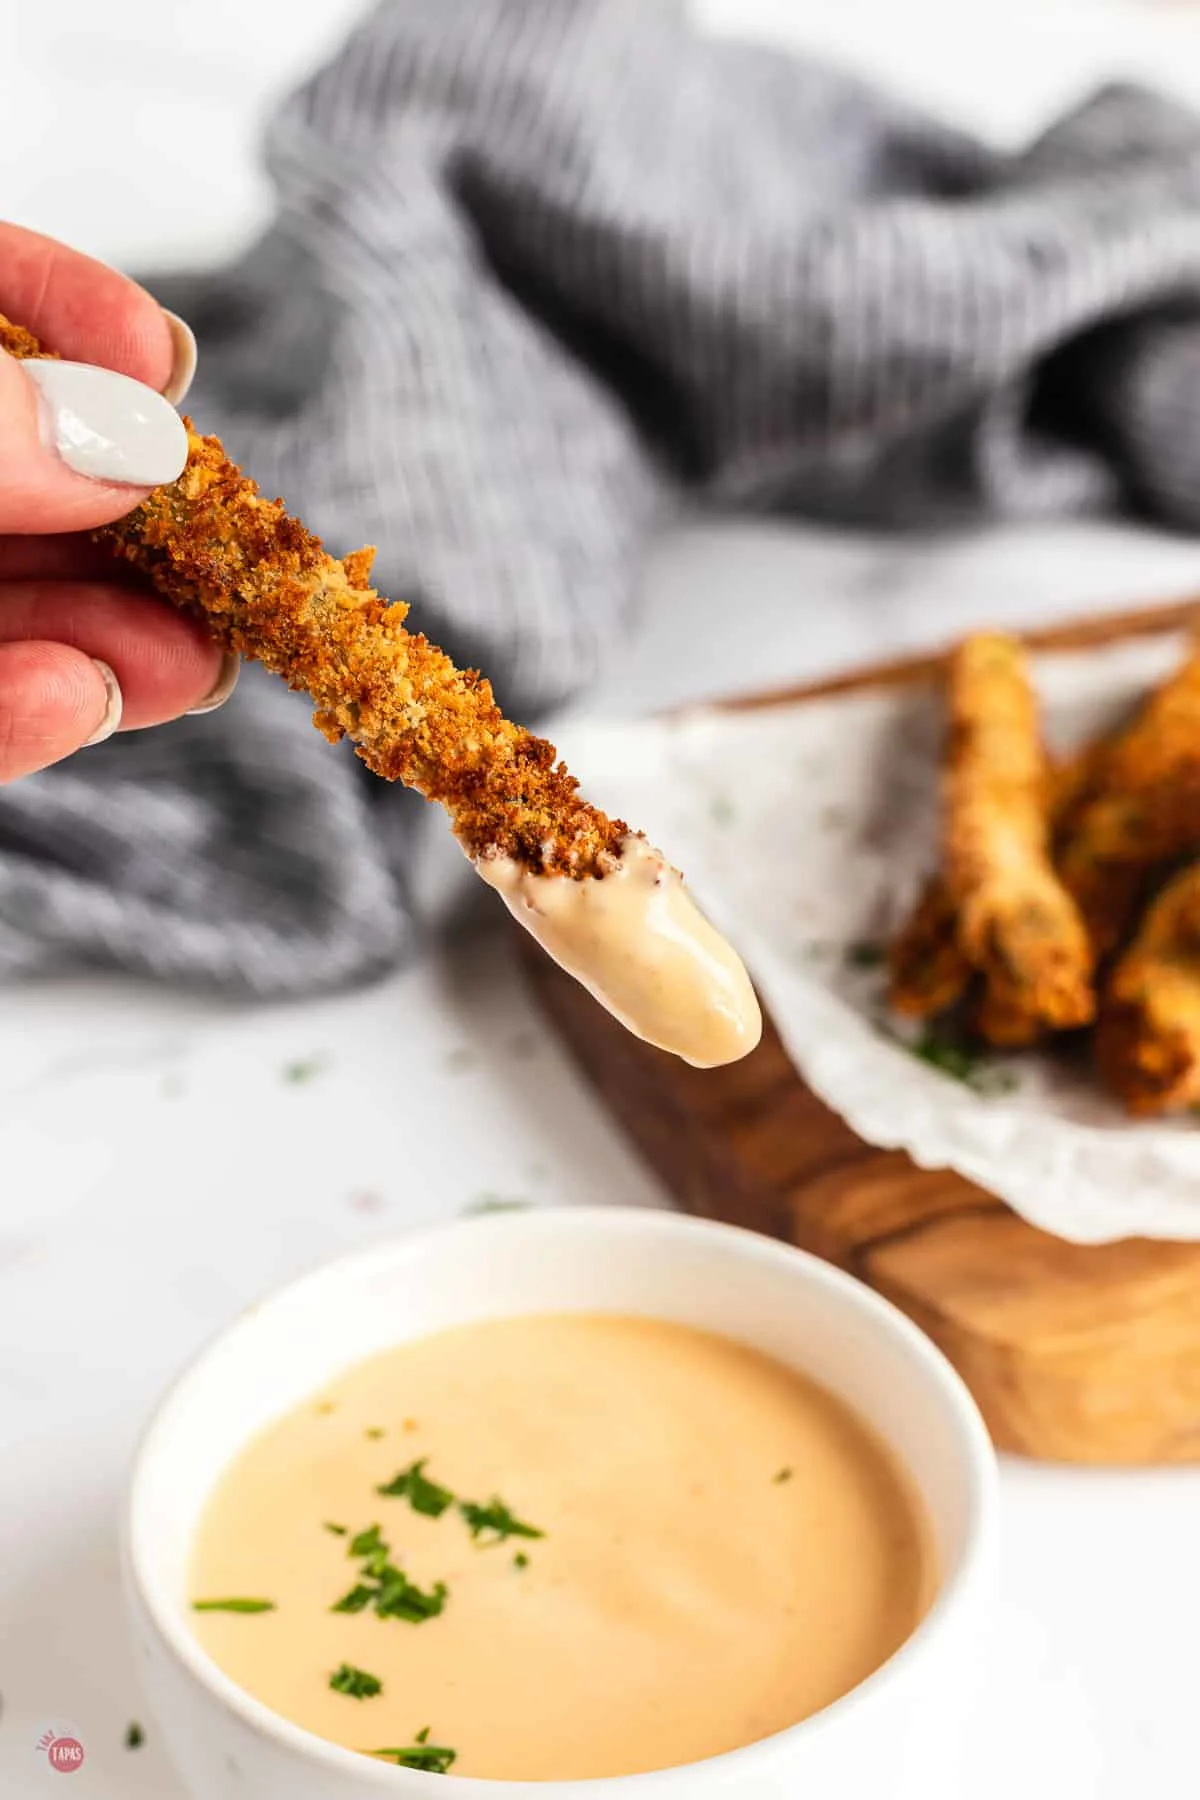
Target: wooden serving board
column 1085, row 1354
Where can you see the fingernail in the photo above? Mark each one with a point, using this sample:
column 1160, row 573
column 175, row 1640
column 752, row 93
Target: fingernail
column 113, row 708
column 183, row 342
column 219, row 693
column 108, row 426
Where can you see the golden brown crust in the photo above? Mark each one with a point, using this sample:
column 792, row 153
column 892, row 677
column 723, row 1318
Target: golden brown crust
column 1145, row 815
column 265, row 586
column 1148, row 1041
column 1015, row 922
column 20, row 343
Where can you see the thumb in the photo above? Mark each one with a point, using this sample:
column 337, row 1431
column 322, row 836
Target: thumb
column 80, row 446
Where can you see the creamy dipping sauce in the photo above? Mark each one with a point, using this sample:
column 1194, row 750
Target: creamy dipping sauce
column 726, row 1549
column 639, row 944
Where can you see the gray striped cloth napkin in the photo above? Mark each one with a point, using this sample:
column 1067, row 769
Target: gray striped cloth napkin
column 538, row 268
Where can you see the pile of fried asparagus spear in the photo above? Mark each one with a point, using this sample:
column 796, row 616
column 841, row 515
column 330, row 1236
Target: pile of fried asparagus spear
column 1068, row 894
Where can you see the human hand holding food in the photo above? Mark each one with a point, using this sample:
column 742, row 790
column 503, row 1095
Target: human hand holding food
column 597, row 897
column 85, row 647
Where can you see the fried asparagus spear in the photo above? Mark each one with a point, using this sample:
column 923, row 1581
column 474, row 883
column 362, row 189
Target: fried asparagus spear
column 266, row 587
column 1145, row 814
column 1148, row 1039
column 1015, row 923
column 928, row 973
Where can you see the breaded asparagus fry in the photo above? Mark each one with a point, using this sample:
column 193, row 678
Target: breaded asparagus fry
column 1148, row 1040
column 1015, row 922
column 1146, row 812
column 928, row 972
column 216, row 547
column 597, row 897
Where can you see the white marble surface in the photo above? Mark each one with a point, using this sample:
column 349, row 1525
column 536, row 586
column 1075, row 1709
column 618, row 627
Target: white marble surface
column 159, row 1168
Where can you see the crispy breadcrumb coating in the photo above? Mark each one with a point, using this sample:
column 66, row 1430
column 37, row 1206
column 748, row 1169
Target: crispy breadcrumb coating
column 1148, row 1040
column 265, row 586
column 928, row 973
column 1145, row 814
column 1015, row 922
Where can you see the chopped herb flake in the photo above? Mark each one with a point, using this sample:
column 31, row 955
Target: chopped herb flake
column 493, row 1203
column 781, row 1475
column 234, row 1606
column 423, row 1495
column 423, row 1735
column 374, row 1431
column 337, row 1530
column 950, row 1056
column 356, row 1600
column 135, row 1737
column 399, row 1598
column 721, row 810
column 355, row 1682
column 386, row 1588
column 367, row 1541
column 303, row 1069
column 864, row 955
column 434, row 1759
column 520, row 1560
column 495, row 1519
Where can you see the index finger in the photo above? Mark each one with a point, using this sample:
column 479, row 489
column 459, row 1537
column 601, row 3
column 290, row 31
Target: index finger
column 82, row 309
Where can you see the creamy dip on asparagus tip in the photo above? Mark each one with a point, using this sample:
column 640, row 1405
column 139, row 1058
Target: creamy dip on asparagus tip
column 637, row 941
column 559, row 1547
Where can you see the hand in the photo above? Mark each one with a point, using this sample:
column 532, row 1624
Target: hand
column 84, row 650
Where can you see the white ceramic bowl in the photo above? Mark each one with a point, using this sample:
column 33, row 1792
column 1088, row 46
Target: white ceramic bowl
column 879, row 1739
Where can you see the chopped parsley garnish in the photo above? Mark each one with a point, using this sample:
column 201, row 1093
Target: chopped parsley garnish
column 235, row 1606
column 400, row 1598
column 493, row 1203
column 385, row 1588
column 356, row 1600
column 520, row 1560
column 337, row 1530
column 303, row 1069
column 864, row 955
column 434, row 1759
column 423, row 1495
column 355, row 1682
column 374, row 1431
column 495, row 1519
column 367, row 1542
column 950, row 1056
column 781, row 1475
column 135, row 1737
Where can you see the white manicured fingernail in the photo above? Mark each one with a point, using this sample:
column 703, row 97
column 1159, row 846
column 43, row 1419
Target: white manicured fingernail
column 221, row 689
column 183, row 342
column 114, row 708
column 108, row 426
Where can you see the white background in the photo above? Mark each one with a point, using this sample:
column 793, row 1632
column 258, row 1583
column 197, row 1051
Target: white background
column 157, row 1170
